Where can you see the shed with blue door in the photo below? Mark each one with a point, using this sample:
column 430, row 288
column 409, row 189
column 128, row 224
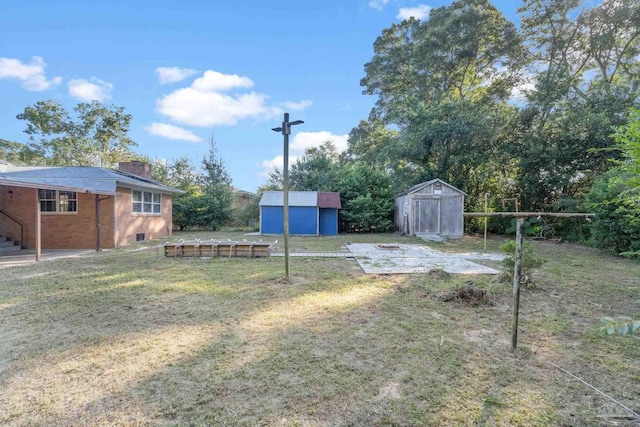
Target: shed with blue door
column 312, row 213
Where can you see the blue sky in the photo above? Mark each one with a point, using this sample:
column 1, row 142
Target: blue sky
column 186, row 68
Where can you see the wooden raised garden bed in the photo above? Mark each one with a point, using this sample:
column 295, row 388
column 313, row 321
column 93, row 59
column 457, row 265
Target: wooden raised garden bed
column 216, row 248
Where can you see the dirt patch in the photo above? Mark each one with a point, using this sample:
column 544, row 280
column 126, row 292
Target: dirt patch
column 388, row 246
column 468, row 294
column 438, row 274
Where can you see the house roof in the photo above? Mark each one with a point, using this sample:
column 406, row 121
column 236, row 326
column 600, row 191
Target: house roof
column 77, row 178
column 238, row 191
column 302, row 198
column 420, row 186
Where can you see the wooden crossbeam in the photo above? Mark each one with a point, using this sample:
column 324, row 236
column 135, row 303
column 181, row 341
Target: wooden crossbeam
column 530, row 214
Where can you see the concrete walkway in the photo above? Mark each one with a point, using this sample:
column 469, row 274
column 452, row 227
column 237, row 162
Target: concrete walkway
column 28, row 256
column 319, row 254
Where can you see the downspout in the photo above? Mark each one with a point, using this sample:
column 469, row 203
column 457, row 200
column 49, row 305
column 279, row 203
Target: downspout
column 98, row 248
column 98, row 244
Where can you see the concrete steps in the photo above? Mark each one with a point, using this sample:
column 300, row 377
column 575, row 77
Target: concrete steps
column 7, row 245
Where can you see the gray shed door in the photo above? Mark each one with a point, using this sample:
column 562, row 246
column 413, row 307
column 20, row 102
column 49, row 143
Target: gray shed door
column 451, row 216
column 425, row 216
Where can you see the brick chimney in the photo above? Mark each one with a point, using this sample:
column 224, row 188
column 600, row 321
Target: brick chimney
column 137, row 168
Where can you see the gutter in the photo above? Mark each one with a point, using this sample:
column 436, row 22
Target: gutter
column 24, row 184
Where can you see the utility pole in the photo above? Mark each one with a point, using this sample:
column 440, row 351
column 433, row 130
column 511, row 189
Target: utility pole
column 286, row 131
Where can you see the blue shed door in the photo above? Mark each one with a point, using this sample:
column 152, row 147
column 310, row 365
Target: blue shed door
column 303, row 220
column 328, row 222
column 272, row 220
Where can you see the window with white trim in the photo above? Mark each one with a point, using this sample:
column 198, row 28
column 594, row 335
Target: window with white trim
column 58, row 201
column 144, row 202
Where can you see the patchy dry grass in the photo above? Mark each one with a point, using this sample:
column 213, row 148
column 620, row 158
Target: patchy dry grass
column 128, row 337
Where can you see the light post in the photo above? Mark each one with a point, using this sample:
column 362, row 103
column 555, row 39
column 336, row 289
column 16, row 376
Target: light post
column 286, row 131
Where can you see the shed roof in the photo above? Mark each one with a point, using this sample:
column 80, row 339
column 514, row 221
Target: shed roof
column 302, row 198
column 420, row 186
column 77, row 178
column 329, row 200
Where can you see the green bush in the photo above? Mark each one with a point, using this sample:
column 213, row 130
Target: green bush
column 529, row 260
column 367, row 199
column 622, row 324
column 617, row 223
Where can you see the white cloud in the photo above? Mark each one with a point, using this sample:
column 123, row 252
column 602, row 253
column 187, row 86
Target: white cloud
column 215, row 81
column 271, row 165
column 378, row 4
column 204, row 104
column 174, row 74
column 296, row 106
column 199, row 108
column 520, row 91
column 31, row 74
column 419, row 12
column 168, row 131
column 302, row 141
column 89, row 90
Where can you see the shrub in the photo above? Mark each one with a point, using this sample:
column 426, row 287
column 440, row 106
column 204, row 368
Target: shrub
column 622, row 324
column 617, row 223
column 529, row 260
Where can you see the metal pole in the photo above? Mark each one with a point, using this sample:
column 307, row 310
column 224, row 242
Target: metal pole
column 485, row 222
column 285, row 193
column 286, row 131
column 517, row 272
column 38, row 230
column 98, row 248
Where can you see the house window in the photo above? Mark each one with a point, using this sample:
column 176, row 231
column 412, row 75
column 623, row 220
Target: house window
column 58, row 201
column 144, row 202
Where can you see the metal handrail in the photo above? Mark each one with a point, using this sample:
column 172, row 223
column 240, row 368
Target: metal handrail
column 19, row 223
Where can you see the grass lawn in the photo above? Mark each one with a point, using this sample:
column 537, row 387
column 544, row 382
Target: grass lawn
column 128, row 337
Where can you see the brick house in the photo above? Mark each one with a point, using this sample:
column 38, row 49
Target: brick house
column 82, row 207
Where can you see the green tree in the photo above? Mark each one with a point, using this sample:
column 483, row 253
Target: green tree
column 18, row 153
column 181, row 173
column 464, row 51
column 214, row 205
column 96, row 136
column 627, row 139
column 445, row 84
column 374, row 143
column 615, row 197
column 617, row 223
column 316, row 170
column 462, row 143
column 367, row 198
column 586, row 78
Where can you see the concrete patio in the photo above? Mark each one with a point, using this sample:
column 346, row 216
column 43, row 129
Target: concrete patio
column 28, row 256
column 403, row 259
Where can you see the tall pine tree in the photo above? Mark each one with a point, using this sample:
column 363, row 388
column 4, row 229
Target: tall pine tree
column 214, row 207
